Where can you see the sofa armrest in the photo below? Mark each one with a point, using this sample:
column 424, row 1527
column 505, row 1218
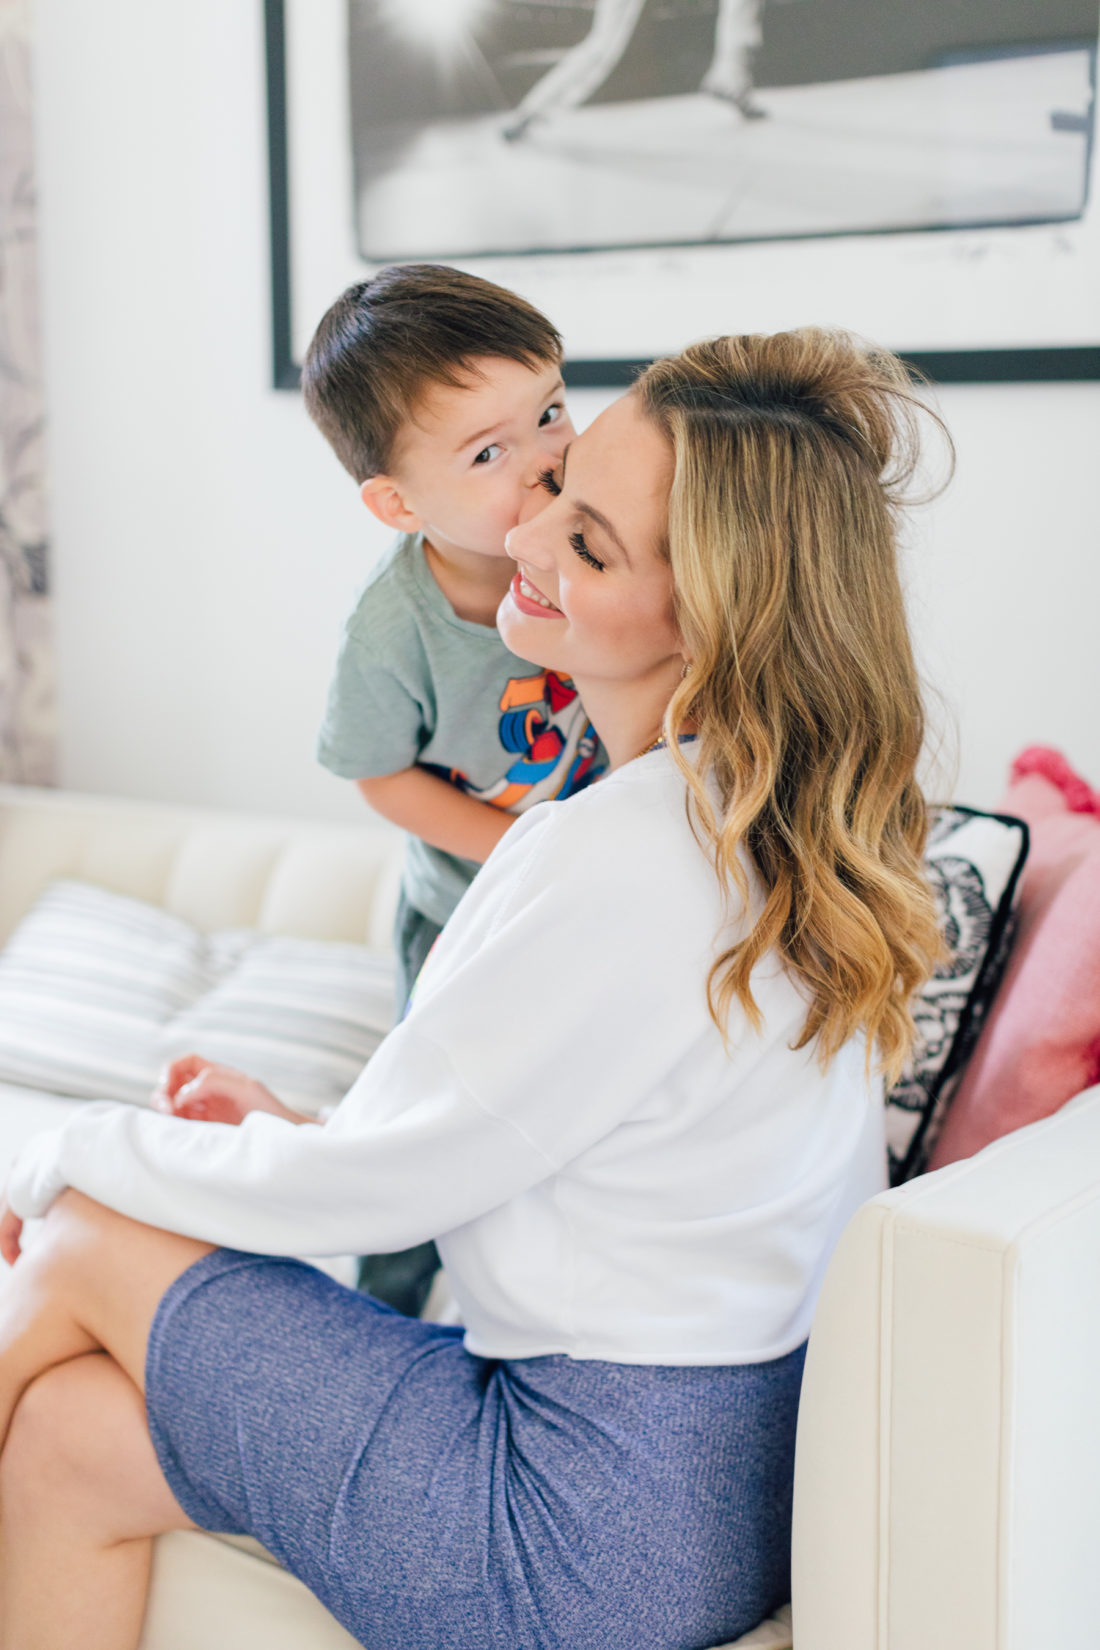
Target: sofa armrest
column 949, row 1433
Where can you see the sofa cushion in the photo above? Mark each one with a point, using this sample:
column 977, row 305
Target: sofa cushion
column 99, row 991
column 225, row 1590
column 974, row 862
column 1041, row 1043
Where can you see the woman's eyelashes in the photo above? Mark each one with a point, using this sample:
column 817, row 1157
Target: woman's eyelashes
column 577, row 541
column 548, row 481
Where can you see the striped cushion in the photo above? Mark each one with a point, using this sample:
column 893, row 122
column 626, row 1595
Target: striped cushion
column 98, row 992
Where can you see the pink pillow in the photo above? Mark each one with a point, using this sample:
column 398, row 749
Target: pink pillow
column 1041, row 1042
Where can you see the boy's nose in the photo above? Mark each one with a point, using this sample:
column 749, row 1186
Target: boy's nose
column 536, row 461
column 532, row 504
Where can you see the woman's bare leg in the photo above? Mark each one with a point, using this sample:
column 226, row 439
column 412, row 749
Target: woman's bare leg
column 89, row 1286
column 81, row 1497
column 92, row 1281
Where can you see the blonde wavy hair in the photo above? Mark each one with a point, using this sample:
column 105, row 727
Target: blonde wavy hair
column 793, row 456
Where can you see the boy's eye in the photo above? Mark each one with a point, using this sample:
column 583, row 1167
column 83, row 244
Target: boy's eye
column 486, row 455
column 577, row 541
column 546, row 480
column 553, row 413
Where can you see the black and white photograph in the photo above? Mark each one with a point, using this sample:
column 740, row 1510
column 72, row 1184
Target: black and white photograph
column 486, row 126
column 922, row 174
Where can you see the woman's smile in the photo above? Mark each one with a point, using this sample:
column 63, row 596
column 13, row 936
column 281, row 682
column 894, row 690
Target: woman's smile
column 590, row 555
column 529, row 599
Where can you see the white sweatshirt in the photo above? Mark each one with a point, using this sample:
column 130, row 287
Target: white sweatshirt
column 604, row 1177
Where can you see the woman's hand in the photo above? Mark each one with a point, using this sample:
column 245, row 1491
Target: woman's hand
column 208, row 1093
column 11, row 1233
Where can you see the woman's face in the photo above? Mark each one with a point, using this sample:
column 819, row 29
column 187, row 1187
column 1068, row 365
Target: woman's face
column 592, row 595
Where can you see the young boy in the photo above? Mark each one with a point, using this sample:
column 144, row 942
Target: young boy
column 442, row 395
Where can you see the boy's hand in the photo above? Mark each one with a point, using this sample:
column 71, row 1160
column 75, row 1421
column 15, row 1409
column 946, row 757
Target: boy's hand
column 208, row 1093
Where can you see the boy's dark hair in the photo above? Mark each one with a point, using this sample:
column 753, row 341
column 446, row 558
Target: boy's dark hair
column 386, row 341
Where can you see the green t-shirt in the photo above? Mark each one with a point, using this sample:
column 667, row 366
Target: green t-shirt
column 414, row 683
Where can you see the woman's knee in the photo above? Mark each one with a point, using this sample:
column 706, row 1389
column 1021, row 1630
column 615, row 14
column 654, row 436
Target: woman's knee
column 108, row 1271
column 78, row 1219
column 73, row 1228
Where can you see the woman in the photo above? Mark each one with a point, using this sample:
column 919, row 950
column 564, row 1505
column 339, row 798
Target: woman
column 636, row 1098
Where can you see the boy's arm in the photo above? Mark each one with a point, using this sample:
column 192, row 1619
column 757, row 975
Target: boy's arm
column 437, row 812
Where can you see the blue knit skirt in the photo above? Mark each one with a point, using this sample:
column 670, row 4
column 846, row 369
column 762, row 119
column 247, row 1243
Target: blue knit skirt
column 434, row 1500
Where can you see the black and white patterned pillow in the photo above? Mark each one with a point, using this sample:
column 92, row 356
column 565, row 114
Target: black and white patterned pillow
column 974, row 862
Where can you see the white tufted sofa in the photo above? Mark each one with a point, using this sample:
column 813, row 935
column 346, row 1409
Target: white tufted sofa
column 949, row 1438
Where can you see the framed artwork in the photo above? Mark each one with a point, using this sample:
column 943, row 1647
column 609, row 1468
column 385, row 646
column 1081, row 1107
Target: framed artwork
column 649, row 171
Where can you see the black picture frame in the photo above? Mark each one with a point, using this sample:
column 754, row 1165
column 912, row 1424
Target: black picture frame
column 1053, row 364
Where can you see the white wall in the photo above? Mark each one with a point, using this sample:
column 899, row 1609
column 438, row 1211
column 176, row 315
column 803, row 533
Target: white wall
column 207, row 544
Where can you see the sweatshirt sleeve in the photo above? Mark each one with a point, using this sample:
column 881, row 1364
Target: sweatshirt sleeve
column 539, row 1025
column 353, row 1185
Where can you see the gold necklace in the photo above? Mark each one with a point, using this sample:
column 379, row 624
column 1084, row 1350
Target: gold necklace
column 685, row 738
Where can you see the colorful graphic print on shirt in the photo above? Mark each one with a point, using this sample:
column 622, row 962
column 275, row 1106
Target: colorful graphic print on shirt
column 544, row 726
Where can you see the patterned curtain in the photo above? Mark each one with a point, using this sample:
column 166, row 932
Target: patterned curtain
column 26, row 665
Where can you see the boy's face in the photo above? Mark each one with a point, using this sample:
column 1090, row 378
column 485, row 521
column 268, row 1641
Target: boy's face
column 467, row 463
